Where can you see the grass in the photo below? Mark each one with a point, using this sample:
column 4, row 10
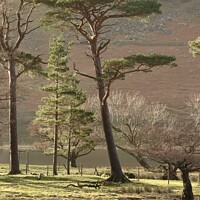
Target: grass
column 28, row 187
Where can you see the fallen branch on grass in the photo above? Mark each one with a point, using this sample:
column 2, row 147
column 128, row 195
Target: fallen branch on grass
column 95, row 185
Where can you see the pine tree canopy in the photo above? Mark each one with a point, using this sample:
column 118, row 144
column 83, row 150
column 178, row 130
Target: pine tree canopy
column 117, row 68
column 71, row 10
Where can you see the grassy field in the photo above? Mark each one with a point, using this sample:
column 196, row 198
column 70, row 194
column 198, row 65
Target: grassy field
column 28, row 187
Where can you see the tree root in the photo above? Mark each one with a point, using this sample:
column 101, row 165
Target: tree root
column 121, row 179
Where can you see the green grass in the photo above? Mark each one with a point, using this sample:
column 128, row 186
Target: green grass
column 28, row 187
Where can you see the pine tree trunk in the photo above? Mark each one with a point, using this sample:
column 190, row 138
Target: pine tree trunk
column 69, row 155
column 14, row 160
column 187, row 186
column 55, row 155
column 116, row 171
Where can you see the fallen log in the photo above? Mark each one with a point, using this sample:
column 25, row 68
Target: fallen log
column 95, row 185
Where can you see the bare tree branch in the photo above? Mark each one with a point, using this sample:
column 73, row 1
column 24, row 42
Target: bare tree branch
column 82, row 74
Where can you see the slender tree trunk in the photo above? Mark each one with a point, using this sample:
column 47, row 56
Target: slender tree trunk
column 116, row 171
column 55, row 155
column 187, row 186
column 69, row 155
column 14, row 160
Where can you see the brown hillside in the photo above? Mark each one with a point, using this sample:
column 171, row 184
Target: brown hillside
column 168, row 33
column 170, row 85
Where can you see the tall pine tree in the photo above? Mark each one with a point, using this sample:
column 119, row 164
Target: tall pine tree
column 91, row 19
column 61, row 117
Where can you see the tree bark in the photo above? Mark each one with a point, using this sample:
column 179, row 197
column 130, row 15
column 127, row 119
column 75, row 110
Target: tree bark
column 116, row 171
column 187, row 186
column 14, row 159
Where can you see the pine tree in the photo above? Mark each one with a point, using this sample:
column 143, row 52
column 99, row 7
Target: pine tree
column 91, row 19
column 61, row 117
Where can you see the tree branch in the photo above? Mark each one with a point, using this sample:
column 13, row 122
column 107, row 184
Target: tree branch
column 102, row 46
column 106, row 94
column 20, row 25
column 82, row 74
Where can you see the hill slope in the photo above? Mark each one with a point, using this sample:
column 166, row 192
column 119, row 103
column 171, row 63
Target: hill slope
column 168, row 33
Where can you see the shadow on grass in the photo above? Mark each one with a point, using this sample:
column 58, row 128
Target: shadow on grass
column 49, row 182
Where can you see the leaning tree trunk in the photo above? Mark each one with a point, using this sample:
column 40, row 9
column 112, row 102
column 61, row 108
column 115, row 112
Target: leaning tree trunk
column 140, row 158
column 116, row 171
column 187, row 186
column 14, row 160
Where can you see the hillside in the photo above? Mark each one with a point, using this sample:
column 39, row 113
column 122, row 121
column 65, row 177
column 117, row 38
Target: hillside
column 167, row 33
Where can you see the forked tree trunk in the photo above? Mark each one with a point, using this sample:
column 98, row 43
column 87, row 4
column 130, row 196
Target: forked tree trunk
column 14, row 159
column 116, row 171
column 187, row 186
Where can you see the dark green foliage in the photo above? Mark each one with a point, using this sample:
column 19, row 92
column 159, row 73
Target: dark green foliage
column 151, row 60
column 117, row 68
column 65, row 11
column 139, row 7
column 71, row 3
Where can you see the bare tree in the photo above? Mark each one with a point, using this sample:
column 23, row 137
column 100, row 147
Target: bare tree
column 132, row 119
column 179, row 146
column 15, row 26
column 149, row 130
